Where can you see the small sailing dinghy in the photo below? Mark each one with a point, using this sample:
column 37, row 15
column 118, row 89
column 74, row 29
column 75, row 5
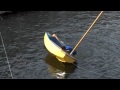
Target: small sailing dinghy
column 54, row 47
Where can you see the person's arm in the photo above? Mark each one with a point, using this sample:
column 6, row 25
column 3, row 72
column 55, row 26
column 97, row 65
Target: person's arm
column 55, row 37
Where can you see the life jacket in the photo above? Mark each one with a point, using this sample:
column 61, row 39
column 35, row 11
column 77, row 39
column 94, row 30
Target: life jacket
column 69, row 49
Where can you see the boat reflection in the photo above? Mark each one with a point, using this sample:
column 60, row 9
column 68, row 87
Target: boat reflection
column 58, row 69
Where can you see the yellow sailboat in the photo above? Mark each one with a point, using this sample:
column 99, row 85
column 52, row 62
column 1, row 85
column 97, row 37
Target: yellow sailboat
column 54, row 47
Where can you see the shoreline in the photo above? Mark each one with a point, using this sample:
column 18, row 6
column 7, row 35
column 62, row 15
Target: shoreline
column 5, row 12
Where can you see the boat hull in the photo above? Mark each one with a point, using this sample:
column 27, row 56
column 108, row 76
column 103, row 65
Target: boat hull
column 54, row 47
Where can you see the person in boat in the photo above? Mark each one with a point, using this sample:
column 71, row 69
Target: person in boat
column 67, row 48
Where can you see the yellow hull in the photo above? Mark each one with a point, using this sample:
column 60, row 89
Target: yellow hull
column 56, row 50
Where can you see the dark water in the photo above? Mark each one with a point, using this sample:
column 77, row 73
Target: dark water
column 98, row 54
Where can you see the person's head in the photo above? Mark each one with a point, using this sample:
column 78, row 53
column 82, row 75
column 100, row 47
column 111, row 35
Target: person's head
column 63, row 47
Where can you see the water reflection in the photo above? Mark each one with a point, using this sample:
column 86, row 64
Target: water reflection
column 58, row 69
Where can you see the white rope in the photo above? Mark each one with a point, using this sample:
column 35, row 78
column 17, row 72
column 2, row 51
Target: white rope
column 1, row 17
column 6, row 56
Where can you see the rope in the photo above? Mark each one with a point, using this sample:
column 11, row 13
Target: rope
column 83, row 68
column 78, row 66
column 1, row 17
column 6, row 56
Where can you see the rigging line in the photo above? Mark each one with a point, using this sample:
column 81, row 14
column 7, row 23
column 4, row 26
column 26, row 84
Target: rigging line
column 1, row 17
column 6, row 56
column 78, row 66
column 83, row 68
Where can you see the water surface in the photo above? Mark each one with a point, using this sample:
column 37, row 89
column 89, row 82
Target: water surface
column 98, row 54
